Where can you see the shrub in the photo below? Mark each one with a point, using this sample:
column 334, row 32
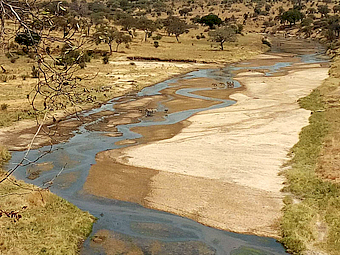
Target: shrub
column 105, row 60
column 3, row 78
column 157, row 37
column 4, row 107
column 82, row 65
column 156, row 44
column 69, row 56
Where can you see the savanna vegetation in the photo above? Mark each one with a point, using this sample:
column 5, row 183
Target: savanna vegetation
column 35, row 221
column 63, row 55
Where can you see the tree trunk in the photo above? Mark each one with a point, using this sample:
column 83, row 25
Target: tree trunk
column 110, row 46
column 177, row 38
column 117, row 47
column 221, row 45
column 146, row 35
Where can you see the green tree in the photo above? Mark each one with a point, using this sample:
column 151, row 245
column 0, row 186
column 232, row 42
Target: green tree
column 333, row 28
column 291, row 16
column 306, row 26
column 27, row 38
column 148, row 26
column 222, row 35
column 128, row 23
column 120, row 38
column 211, row 20
column 105, row 34
column 175, row 26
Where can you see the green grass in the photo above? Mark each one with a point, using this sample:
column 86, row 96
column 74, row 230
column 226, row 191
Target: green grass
column 8, row 117
column 49, row 224
column 313, row 208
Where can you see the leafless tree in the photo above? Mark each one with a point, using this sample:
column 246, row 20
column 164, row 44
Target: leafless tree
column 41, row 30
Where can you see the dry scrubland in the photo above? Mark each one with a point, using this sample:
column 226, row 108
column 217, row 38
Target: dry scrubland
column 311, row 217
column 121, row 74
column 66, row 225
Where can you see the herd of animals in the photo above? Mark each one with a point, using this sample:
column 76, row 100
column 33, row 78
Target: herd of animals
column 150, row 111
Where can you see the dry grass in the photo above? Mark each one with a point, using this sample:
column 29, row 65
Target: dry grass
column 49, row 224
column 200, row 50
column 122, row 75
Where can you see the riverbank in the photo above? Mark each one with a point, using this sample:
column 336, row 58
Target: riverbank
column 311, row 218
column 35, row 220
column 222, row 169
column 65, row 217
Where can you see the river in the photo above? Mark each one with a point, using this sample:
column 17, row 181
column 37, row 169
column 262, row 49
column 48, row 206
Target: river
column 132, row 223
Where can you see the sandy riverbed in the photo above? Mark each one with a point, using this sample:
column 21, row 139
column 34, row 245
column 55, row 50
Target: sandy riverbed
column 222, row 169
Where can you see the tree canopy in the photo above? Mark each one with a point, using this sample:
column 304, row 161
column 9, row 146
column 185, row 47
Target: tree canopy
column 210, row 20
column 291, row 16
column 176, row 26
column 222, row 35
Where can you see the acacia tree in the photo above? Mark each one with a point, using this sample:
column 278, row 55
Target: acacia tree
column 306, row 26
column 291, row 16
column 128, row 23
column 148, row 26
column 120, row 38
column 222, row 35
column 211, row 20
column 105, row 34
column 175, row 26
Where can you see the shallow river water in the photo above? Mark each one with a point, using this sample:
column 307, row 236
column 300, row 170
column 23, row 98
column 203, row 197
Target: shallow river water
column 131, row 222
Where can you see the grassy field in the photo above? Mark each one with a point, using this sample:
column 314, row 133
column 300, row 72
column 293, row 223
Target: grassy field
column 48, row 223
column 312, row 213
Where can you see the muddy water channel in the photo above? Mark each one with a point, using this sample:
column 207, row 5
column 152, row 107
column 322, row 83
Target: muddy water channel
column 155, row 113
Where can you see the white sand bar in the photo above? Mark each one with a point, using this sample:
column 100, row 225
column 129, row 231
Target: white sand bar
column 222, row 170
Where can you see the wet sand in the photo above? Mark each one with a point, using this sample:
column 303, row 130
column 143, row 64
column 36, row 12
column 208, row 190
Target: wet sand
column 221, row 166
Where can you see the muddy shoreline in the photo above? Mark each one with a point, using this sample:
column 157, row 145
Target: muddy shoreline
column 19, row 135
column 166, row 189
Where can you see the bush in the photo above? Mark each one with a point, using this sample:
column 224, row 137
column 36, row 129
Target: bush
column 4, row 107
column 82, row 65
column 3, row 78
column 105, row 60
column 157, row 37
column 156, row 44
column 71, row 57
